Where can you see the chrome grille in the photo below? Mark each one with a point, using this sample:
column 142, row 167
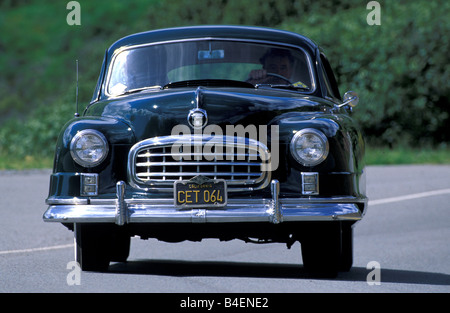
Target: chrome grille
column 159, row 162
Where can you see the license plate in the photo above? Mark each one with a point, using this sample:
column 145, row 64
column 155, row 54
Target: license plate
column 196, row 193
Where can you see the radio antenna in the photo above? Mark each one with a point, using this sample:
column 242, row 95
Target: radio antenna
column 76, row 95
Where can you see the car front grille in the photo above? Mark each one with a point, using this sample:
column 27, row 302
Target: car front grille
column 159, row 162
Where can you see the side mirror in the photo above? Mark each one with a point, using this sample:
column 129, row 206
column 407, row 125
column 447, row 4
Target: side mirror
column 351, row 99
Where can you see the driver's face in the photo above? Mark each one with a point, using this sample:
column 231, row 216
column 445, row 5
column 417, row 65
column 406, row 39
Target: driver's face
column 278, row 65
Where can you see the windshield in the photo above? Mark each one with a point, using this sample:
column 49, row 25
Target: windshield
column 167, row 63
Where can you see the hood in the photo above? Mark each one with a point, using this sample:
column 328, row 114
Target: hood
column 155, row 113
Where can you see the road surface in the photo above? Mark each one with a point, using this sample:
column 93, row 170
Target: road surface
column 401, row 245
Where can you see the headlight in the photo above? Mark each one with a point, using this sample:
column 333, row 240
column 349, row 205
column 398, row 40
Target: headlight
column 309, row 147
column 89, row 148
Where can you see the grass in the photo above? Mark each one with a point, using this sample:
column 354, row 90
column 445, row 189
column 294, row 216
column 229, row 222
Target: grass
column 27, row 163
column 374, row 156
column 406, row 155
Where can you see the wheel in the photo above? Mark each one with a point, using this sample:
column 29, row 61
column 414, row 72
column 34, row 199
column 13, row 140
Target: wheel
column 321, row 251
column 346, row 259
column 328, row 249
column 92, row 246
column 120, row 245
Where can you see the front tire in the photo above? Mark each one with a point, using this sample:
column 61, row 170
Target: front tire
column 346, row 260
column 92, row 246
column 120, row 245
column 328, row 249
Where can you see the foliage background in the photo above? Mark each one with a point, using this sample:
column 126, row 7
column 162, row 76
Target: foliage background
column 400, row 69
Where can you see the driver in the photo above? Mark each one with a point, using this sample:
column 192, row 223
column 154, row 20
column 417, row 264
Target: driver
column 274, row 61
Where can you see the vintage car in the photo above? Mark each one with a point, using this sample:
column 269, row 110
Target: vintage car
column 220, row 132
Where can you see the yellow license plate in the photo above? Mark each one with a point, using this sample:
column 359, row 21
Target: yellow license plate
column 212, row 193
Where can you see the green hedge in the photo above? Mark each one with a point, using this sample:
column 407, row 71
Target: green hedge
column 400, row 68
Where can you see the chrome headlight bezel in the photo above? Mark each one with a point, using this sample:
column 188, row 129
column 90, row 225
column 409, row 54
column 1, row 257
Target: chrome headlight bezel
column 309, row 138
column 92, row 151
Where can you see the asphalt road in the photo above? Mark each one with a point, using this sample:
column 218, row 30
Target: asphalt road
column 406, row 232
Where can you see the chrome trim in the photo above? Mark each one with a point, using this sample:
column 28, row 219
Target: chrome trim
column 275, row 210
column 316, row 132
column 247, row 181
column 66, row 201
column 255, row 41
column 80, row 213
column 53, row 201
column 198, row 216
column 88, row 179
column 121, row 206
column 277, row 216
column 197, row 115
column 232, row 213
column 82, row 133
column 351, row 99
column 306, row 182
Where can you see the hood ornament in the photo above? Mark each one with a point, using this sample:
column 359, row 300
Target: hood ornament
column 200, row 180
column 198, row 118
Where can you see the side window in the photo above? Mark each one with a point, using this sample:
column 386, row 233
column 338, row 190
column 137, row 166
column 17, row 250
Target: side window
column 330, row 80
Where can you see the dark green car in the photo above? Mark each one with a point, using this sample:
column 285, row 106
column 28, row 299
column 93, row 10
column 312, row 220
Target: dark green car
column 212, row 132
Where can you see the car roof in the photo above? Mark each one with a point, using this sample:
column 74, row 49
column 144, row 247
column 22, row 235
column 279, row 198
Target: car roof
column 216, row 31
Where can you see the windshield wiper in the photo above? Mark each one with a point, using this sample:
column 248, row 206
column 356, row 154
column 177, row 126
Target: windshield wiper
column 127, row 92
column 283, row 86
column 209, row 83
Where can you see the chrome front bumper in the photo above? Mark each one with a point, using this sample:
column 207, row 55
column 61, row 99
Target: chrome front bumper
column 275, row 210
